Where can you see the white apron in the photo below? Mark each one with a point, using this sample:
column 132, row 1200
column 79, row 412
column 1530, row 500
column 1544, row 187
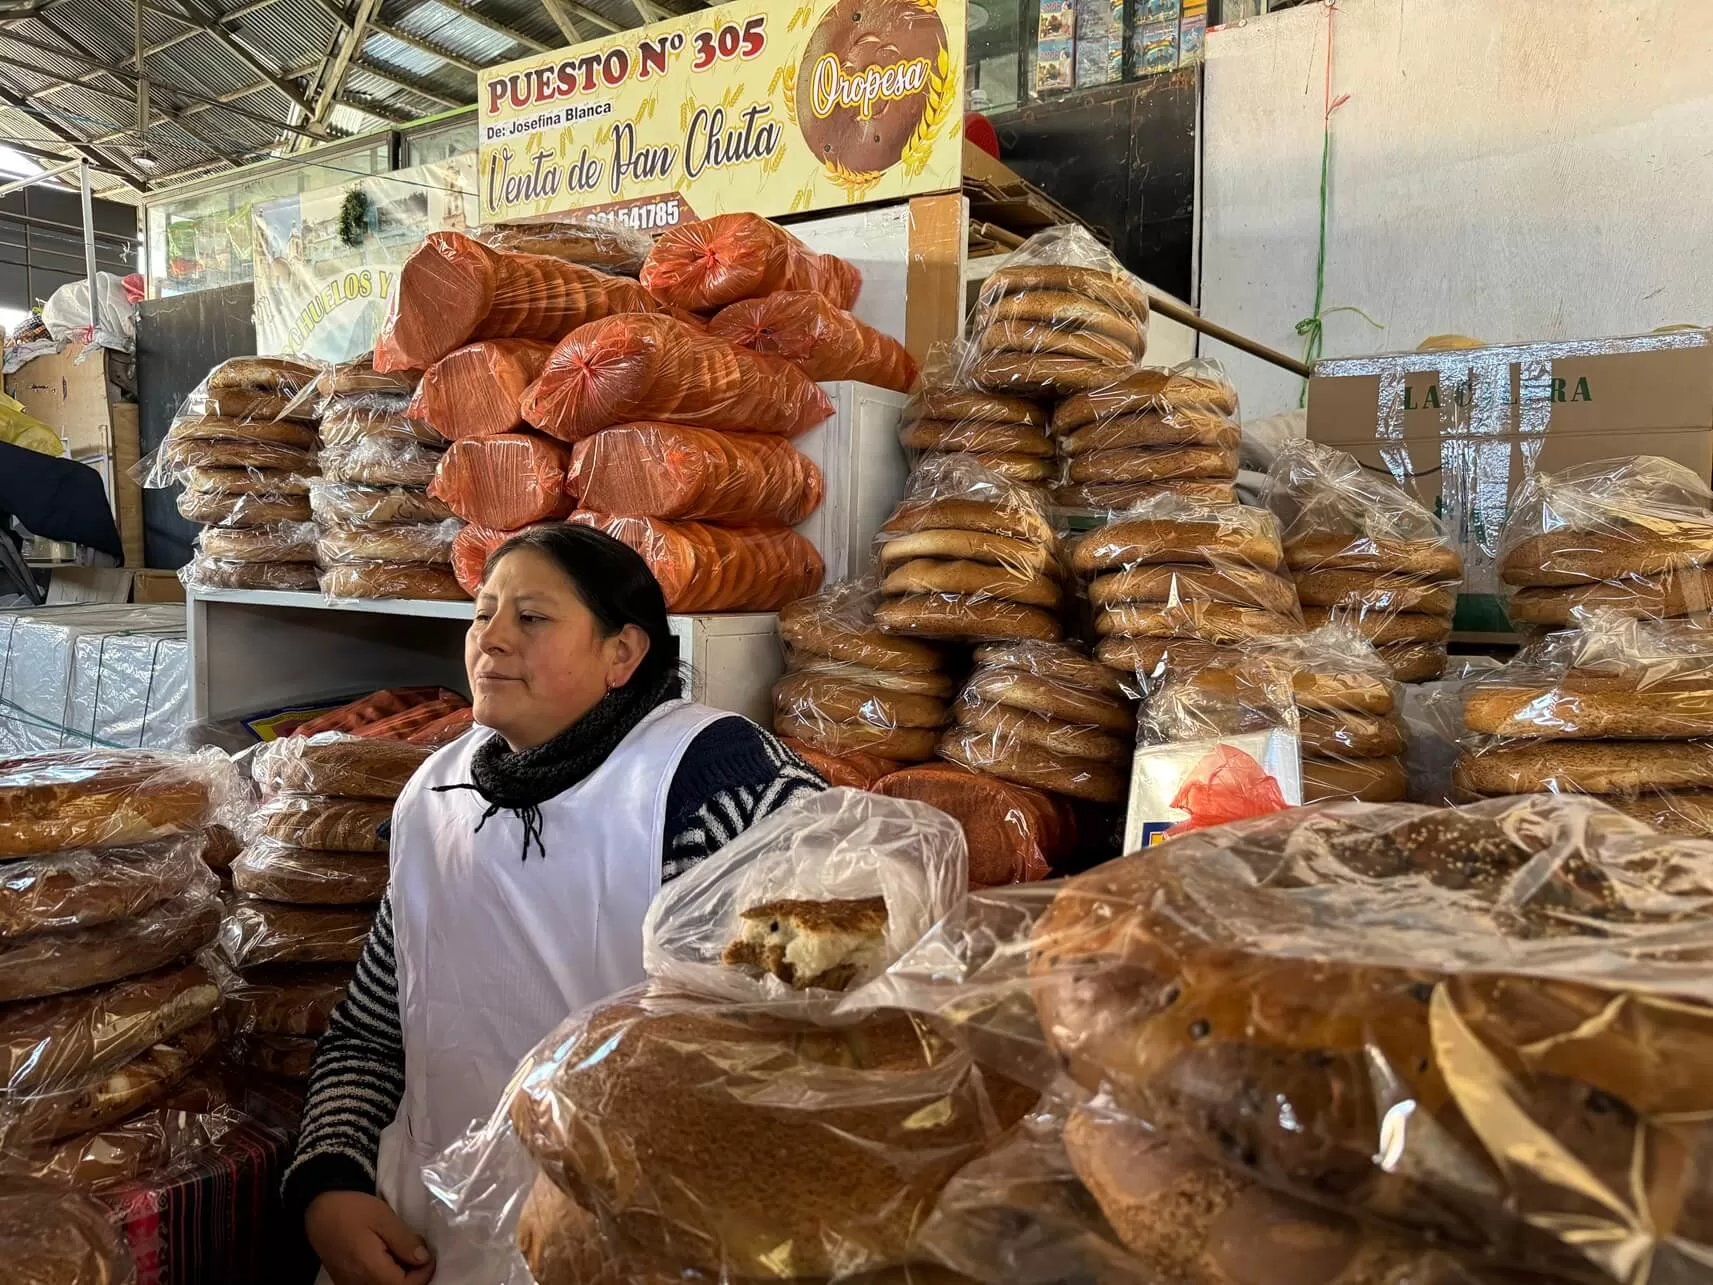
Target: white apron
column 494, row 951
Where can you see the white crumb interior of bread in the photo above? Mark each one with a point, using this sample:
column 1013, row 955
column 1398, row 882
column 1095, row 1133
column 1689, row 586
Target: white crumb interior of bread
column 812, row 951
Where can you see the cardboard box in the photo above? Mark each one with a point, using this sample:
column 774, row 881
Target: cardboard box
column 1465, row 427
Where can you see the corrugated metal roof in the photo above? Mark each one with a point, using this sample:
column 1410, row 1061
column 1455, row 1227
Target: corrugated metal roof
column 290, row 38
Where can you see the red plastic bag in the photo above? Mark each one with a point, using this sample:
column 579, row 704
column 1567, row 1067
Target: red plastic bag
column 443, row 731
column 671, row 471
column 713, row 262
column 822, row 341
column 709, row 568
column 471, row 550
column 474, row 391
column 1227, row 785
column 633, row 368
column 505, row 482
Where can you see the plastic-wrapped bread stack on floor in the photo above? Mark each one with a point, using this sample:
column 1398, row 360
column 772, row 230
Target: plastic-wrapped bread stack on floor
column 105, row 907
column 373, row 452
column 1006, row 435
column 1361, row 549
column 308, row 882
column 243, row 446
column 857, row 703
column 1150, row 433
column 1184, row 583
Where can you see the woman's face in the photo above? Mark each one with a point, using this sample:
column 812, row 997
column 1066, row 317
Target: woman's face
column 535, row 656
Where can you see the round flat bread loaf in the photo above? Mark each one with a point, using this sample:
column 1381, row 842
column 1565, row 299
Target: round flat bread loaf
column 374, row 505
column 1145, row 656
column 1373, row 780
column 960, row 404
column 1121, row 495
column 50, row 1235
column 1316, row 690
column 1116, row 290
column 1041, row 338
column 228, row 454
column 806, row 629
column 1383, row 627
column 1586, row 767
column 901, row 744
column 215, row 428
column 1153, row 429
column 1022, row 557
column 1676, row 593
column 245, row 481
column 1060, row 310
column 1687, row 812
column 1374, row 591
column 288, row 577
column 287, row 542
column 1041, row 374
column 819, row 697
column 84, row 888
column 310, row 877
column 62, row 960
column 1078, row 702
column 1348, row 735
column 279, row 375
column 415, row 581
column 67, row 799
column 976, row 435
column 1060, row 663
column 286, row 1001
column 1337, row 551
column 237, row 509
column 1414, row 662
column 1015, row 521
column 1013, row 760
column 1570, row 557
column 1145, row 390
column 970, row 579
column 413, row 542
column 1168, row 582
column 1002, row 725
column 1158, row 464
column 291, row 1057
column 1014, row 833
column 1668, row 710
column 352, row 423
column 1028, row 469
column 957, row 619
column 1214, row 622
column 352, row 767
column 330, row 824
column 1249, row 537
column 270, row 932
column 112, row 1095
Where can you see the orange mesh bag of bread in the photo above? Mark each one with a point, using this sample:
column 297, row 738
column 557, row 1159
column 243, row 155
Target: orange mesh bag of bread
column 670, row 471
column 625, row 369
column 453, row 289
column 710, row 568
column 471, row 549
column 713, row 262
column 505, row 482
column 474, row 391
column 822, row 341
column 858, row 771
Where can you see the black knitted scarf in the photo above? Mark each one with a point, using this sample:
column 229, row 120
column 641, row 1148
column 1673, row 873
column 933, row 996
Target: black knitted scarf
column 522, row 781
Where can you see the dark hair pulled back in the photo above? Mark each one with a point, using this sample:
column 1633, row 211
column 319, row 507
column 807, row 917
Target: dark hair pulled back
column 614, row 583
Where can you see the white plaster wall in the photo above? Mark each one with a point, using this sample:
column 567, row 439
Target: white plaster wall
column 1507, row 169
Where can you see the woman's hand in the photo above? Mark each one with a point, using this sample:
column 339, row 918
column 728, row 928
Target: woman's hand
column 361, row 1241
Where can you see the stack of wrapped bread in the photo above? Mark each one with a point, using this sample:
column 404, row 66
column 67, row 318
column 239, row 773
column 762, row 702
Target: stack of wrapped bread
column 969, row 556
column 375, row 457
column 1043, row 715
column 105, row 903
column 1062, row 317
column 308, row 882
column 244, row 447
column 1185, row 583
column 1360, row 548
column 1150, row 433
column 854, row 702
column 1007, row 435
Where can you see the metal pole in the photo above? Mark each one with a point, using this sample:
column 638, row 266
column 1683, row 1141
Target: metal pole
column 89, row 248
column 1195, row 321
column 8, row 188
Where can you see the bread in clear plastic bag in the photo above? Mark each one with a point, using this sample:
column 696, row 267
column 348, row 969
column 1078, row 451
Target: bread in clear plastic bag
column 453, row 289
column 637, row 367
column 248, row 509
column 822, row 340
column 506, row 482
column 945, row 417
column 323, row 821
column 284, row 542
column 69, row 799
column 258, row 932
column 417, row 581
column 52, row 1234
column 55, row 961
column 359, row 378
column 476, row 390
column 47, row 1044
column 333, row 505
column 856, row 771
column 85, row 888
column 839, row 716
column 1108, row 497
column 1153, row 464
column 673, row 471
column 837, row 624
column 398, row 542
column 380, row 461
column 1061, row 317
column 288, row 1000
column 333, row 763
column 180, row 454
column 1014, row 833
column 290, row 1057
column 151, row 1142
column 347, row 421
column 705, row 568
column 310, row 876
column 257, row 388
column 594, row 243
column 1194, row 390
column 710, row 263
column 188, row 430
column 203, row 572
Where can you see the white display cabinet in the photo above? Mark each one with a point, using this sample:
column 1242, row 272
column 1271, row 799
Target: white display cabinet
column 864, row 471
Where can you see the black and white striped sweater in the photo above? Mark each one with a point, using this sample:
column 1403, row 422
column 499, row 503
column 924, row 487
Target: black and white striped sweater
column 732, row 775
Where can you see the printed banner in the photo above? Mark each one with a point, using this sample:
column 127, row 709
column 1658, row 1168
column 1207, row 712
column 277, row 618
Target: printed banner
column 325, row 264
column 773, row 106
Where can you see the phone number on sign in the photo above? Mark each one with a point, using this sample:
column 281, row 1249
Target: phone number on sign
column 648, row 216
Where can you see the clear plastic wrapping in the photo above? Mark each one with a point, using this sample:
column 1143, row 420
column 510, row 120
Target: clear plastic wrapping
column 857, row 771
column 359, row 378
column 347, row 421
column 453, row 289
column 151, row 1142
column 1061, row 317
column 51, row 1234
column 655, row 367
column 203, row 572
column 1631, row 534
column 594, row 243
column 672, row 471
column 969, row 556
column 1014, row 833
column 290, row 1057
column 245, row 508
column 85, row 888
column 258, row 932
column 309, row 876
column 56, row 961
column 820, row 339
column 284, row 542
column 1166, row 402
column 333, row 505
column 399, row 542
column 713, row 262
column 415, row 581
column 70, row 799
column 471, row 551
column 320, row 821
column 476, row 390
column 837, row 624
column 506, row 482
column 335, row 763
column 703, row 568
column 256, row 389
column 397, row 460
column 837, row 714
column 1005, row 434
column 290, row 1000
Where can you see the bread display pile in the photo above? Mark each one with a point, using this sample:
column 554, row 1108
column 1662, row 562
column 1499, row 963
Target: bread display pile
column 1153, row 432
column 871, row 701
column 105, row 903
column 1044, row 715
column 1633, row 535
column 1185, row 582
column 969, row 556
column 244, row 448
column 1361, row 549
column 374, row 453
column 1006, row 435
column 817, row 336
column 308, row 882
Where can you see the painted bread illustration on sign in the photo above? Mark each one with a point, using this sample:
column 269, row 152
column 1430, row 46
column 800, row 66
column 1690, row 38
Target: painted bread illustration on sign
column 875, row 87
